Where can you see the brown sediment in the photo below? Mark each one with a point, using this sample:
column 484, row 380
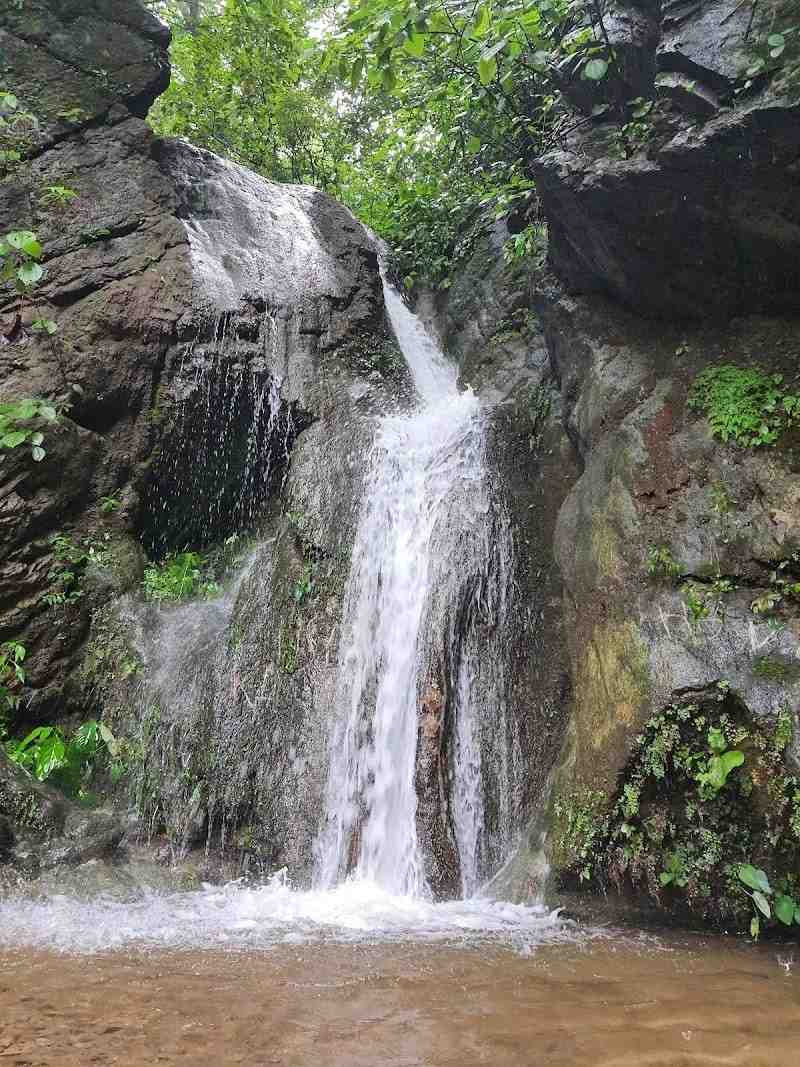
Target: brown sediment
column 636, row 1002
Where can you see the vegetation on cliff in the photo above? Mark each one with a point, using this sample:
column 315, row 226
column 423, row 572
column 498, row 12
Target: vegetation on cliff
column 424, row 117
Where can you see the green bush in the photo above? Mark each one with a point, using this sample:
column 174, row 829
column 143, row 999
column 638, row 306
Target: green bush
column 71, row 561
column 67, row 763
column 706, row 795
column 744, row 404
column 179, row 577
column 21, row 423
column 12, row 678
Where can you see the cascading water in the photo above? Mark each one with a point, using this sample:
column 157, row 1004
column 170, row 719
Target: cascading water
column 420, row 684
column 423, row 555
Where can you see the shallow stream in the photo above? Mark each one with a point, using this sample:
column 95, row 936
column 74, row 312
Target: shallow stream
column 531, row 995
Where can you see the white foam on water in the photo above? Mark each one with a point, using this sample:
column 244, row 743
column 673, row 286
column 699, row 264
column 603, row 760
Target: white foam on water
column 240, row 916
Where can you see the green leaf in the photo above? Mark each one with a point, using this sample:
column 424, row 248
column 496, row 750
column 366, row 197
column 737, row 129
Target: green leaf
column 389, row 79
column 19, row 238
column 14, row 439
column 731, row 760
column 48, row 412
column 30, row 274
column 753, row 878
column 755, row 927
column 483, row 20
column 32, row 248
column 784, row 909
column 87, row 735
column 716, row 740
column 776, row 40
column 48, row 326
column 356, row 73
column 473, row 145
column 595, row 70
column 415, row 44
column 762, row 904
column 487, row 68
column 38, row 453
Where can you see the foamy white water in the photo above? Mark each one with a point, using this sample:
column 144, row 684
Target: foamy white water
column 240, row 916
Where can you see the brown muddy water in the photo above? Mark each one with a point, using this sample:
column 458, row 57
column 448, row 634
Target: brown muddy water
column 617, row 1000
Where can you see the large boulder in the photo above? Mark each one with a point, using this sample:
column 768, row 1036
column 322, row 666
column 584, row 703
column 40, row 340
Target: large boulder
column 692, row 208
column 170, row 269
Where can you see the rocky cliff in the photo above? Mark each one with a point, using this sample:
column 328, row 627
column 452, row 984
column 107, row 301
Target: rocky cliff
column 217, row 339
column 219, row 355
column 671, row 247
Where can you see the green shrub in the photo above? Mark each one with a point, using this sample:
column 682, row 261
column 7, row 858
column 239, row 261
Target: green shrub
column 71, row 560
column 67, row 763
column 661, row 563
column 705, row 794
column 744, row 404
column 178, row 577
column 22, row 421
column 12, row 678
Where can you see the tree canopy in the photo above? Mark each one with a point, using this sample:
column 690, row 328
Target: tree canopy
column 423, row 116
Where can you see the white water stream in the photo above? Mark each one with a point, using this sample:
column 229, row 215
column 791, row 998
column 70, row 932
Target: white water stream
column 417, row 462
column 427, row 536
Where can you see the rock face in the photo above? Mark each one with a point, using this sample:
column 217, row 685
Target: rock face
column 703, row 219
column 182, row 286
column 134, row 279
column 659, row 266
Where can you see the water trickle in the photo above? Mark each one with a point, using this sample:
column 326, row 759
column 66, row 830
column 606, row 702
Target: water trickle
column 230, row 438
column 430, row 573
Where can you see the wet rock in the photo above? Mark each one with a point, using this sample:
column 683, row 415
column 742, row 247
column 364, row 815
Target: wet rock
column 489, row 324
column 630, row 33
column 705, row 42
column 691, row 98
column 7, row 837
column 434, row 821
column 725, row 197
column 703, row 219
column 41, row 829
column 166, row 250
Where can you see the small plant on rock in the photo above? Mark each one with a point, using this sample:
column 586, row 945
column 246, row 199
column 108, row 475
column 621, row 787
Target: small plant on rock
column 22, row 423
column 661, row 563
column 71, row 560
column 178, row 577
column 69, row 763
column 743, row 404
column 766, row 901
column 12, row 678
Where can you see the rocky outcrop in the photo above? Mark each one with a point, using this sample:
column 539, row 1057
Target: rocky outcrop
column 701, row 219
column 165, row 252
column 667, row 541
column 220, row 344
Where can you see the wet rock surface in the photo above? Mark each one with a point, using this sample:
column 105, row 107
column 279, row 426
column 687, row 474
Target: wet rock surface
column 647, row 260
column 181, row 285
column 702, row 218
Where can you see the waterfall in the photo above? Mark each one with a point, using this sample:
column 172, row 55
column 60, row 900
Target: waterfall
column 430, row 573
